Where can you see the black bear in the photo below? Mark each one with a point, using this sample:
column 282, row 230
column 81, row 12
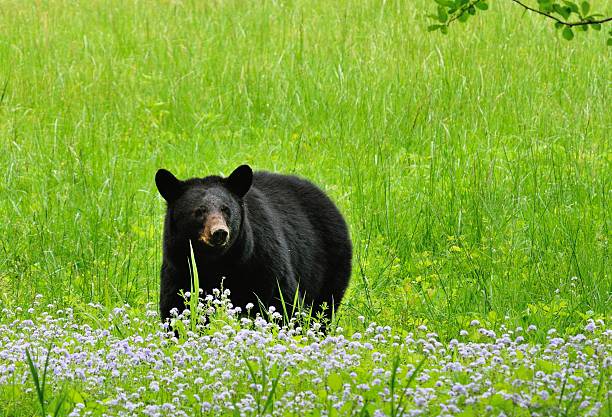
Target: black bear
column 261, row 232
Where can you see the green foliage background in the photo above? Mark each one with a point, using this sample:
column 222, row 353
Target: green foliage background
column 474, row 169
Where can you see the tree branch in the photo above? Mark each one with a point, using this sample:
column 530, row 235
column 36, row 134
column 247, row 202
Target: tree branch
column 462, row 11
column 580, row 23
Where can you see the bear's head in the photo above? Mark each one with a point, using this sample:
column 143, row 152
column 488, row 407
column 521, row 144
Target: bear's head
column 208, row 210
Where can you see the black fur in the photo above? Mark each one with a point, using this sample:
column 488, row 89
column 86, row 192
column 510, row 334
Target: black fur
column 283, row 232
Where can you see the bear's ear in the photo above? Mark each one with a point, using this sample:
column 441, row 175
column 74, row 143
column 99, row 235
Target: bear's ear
column 239, row 182
column 168, row 185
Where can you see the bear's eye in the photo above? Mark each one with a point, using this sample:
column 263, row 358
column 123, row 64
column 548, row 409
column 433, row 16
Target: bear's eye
column 225, row 210
column 198, row 213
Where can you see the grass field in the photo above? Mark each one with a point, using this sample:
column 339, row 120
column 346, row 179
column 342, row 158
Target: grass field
column 474, row 170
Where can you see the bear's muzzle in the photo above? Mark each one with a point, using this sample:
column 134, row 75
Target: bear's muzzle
column 216, row 232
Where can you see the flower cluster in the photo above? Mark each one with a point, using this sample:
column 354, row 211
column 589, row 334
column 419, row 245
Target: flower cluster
column 236, row 363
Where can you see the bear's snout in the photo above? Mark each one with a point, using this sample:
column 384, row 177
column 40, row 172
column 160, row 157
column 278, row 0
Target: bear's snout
column 219, row 237
column 216, row 232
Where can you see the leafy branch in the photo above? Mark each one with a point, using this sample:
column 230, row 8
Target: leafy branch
column 566, row 15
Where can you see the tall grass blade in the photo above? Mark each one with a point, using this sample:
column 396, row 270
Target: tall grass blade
column 195, row 289
column 38, row 385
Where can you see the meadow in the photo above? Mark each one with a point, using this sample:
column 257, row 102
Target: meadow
column 474, row 171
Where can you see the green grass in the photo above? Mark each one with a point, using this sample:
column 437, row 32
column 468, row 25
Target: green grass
column 473, row 169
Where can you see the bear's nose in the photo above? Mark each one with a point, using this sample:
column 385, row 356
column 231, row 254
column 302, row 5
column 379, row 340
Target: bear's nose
column 219, row 237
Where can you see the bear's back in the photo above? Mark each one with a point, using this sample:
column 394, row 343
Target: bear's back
column 292, row 196
column 313, row 228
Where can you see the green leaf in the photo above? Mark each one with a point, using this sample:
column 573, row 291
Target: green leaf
column 596, row 26
column 558, row 25
column 482, row 5
column 463, row 18
column 468, row 412
column 585, row 6
column 567, row 33
column 583, row 28
column 546, row 7
column 442, row 15
column 432, row 28
column 444, row 29
column 322, row 394
column 334, row 381
column 609, row 43
column 563, row 11
column 524, row 373
column 546, row 366
column 472, row 10
column 75, row 396
column 498, row 401
column 573, row 7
